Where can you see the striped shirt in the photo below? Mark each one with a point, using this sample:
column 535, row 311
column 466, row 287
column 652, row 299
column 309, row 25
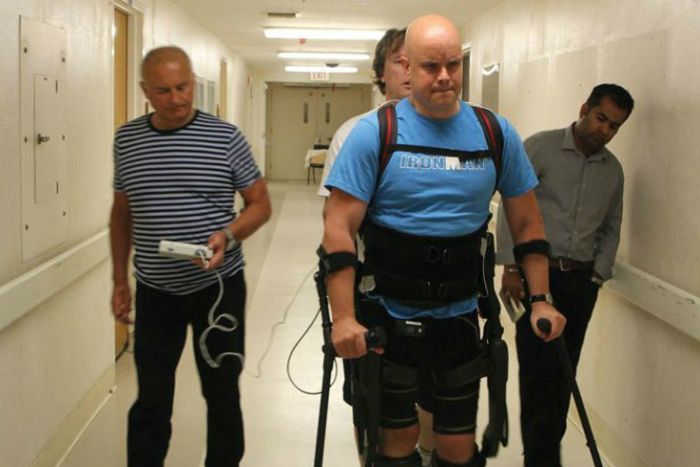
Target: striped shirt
column 180, row 185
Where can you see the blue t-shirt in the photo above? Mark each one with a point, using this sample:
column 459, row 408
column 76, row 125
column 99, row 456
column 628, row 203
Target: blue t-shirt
column 427, row 195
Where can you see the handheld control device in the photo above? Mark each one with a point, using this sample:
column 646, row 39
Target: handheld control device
column 184, row 250
column 514, row 308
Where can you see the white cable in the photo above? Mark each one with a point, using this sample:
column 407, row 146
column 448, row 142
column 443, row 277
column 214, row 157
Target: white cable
column 214, row 324
column 289, row 362
column 258, row 374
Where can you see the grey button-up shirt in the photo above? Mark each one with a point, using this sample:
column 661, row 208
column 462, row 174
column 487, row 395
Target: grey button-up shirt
column 580, row 199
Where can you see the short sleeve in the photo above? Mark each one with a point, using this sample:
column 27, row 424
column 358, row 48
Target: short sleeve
column 517, row 175
column 355, row 169
column 244, row 170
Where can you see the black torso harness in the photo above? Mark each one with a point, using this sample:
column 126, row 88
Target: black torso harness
column 422, row 271
column 427, row 272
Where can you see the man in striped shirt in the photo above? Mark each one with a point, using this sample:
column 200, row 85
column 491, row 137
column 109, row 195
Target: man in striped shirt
column 176, row 173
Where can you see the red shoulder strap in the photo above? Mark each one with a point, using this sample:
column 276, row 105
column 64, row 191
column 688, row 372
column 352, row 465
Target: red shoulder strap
column 493, row 134
column 387, row 135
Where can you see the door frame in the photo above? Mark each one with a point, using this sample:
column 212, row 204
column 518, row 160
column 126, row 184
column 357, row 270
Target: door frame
column 134, row 108
column 135, row 100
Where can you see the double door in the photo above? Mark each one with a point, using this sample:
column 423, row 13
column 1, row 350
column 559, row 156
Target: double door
column 299, row 117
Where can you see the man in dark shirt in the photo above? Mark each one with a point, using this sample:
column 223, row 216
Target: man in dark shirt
column 580, row 195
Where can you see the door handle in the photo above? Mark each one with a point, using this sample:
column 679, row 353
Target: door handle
column 42, row 138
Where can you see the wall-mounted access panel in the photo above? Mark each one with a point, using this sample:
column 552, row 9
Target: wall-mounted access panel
column 42, row 137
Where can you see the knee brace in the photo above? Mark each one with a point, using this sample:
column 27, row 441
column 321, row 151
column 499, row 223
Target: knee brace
column 399, row 393
column 477, row 460
column 412, row 460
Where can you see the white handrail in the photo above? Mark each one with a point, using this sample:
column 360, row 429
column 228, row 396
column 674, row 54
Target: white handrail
column 21, row 295
column 667, row 302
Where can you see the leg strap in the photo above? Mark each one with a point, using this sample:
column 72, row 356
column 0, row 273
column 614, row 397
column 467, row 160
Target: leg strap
column 412, row 460
column 399, row 389
column 477, row 460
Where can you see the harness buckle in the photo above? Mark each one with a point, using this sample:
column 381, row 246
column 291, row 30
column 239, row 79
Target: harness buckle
column 439, row 255
column 434, row 254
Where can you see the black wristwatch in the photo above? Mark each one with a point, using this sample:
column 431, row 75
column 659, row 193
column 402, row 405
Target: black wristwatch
column 544, row 297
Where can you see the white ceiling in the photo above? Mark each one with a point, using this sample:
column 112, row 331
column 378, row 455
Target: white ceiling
column 239, row 24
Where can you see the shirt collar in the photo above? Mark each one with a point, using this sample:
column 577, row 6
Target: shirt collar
column 568, row 144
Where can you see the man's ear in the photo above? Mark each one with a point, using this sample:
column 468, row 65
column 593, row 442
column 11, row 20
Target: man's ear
column 584, row 110
column 143, row 86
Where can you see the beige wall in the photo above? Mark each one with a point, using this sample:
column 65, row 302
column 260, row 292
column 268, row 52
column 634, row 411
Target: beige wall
column 56, row 360
column 638, row 375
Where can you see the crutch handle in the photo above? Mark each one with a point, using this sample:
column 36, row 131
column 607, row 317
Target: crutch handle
column 544, row 325
column 374, row 338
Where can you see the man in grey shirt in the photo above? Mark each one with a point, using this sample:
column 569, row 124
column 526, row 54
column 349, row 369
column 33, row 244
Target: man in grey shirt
column 580, row 197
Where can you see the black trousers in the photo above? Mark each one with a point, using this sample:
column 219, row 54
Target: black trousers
column 159, row 337
column 544, row 393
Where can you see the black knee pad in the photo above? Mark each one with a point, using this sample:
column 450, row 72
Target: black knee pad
column 477, row 460
column 399, row 393
column 412, row 460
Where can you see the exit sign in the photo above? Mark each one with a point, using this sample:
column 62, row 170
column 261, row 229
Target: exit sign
column 320, row 76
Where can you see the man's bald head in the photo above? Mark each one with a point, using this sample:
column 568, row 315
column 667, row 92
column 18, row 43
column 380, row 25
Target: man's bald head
column 434, row 62
column 165, row 54
column 430, row 28
column 167, row 81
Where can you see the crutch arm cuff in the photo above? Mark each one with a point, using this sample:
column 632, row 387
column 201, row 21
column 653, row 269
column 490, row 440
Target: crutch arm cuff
column 332, row 262
column 532, row 247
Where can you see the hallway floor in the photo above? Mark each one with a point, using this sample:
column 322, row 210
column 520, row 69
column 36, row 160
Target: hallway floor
column 280, row 421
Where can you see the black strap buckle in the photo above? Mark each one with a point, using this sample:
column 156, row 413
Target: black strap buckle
column 445, row 256
column 434, row 254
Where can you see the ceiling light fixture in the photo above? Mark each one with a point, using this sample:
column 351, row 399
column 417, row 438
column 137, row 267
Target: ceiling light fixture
column 328, row 34
column 315, row 69
column 324, row 55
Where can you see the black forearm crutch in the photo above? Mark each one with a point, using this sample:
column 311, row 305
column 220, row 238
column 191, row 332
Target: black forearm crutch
column 374, row 338
column 328, row 357
column 560, row 344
